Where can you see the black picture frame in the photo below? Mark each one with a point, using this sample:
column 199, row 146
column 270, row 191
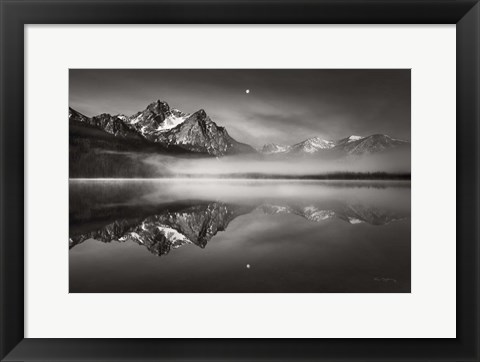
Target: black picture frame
column 15, row 14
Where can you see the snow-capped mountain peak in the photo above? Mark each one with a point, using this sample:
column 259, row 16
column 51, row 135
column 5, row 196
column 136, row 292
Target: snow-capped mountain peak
column 157, row 117
column 313, row 145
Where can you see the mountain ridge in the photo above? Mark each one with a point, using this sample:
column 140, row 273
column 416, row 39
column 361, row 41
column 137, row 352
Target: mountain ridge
column 174, row 130
column 352, row 146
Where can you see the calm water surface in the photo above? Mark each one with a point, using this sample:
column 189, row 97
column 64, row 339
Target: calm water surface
column 239, row 236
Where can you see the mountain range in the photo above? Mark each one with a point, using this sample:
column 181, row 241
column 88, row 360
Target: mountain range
column 172, row 130
column 352, row 145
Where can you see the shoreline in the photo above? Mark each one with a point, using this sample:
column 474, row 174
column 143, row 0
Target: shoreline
column 235, row 179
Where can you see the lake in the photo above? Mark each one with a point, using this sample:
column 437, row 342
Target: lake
column 240, row 236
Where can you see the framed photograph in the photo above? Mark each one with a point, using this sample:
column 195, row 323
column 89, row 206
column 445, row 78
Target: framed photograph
column 240, row 180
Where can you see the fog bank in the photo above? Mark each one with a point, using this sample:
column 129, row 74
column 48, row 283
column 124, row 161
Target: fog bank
column 395, row 162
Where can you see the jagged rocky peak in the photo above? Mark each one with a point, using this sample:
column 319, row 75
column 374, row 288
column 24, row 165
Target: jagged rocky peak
column 158, row 123
column 158, row 117
column 158, row 107
column 103, row 117
column 152, row 116
column 201, row 114
column 198, row 133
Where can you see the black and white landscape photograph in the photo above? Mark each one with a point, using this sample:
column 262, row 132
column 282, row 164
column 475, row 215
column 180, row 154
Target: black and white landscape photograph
column 239, row 180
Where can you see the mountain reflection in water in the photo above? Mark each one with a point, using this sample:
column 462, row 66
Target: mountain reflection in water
column 170, row 228
column 165, row 215
column 199, row 222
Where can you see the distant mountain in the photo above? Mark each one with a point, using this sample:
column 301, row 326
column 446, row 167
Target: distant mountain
column 352, row 145
column 170, row 128
column 372, row 144
column 274, row 148
column 311, row 145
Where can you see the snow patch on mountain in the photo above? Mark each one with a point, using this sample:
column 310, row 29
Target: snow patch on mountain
column 172, row 121
column 173, row 236
column 354, row 138
column 123, row 117
column 275, row 148
column 135, row 120
column 313, row 213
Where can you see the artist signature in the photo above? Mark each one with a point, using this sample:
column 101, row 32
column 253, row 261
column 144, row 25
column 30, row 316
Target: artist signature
column 385, row 280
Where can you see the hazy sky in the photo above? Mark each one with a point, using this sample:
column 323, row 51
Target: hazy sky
column 283, row 106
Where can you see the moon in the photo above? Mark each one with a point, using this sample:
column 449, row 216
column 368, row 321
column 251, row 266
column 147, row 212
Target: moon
column 247, row 91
